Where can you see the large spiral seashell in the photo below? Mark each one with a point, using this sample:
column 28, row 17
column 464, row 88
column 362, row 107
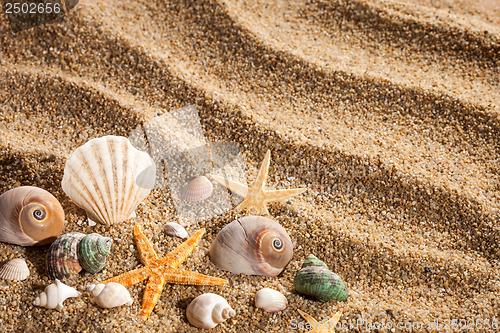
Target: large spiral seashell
column 316, row 280
column 208, row 310
column 252, row 245
column 54, row 295
column 73, row 251
column 30, row 216
column 108, row 178
column 110, row 295
column 15, row 269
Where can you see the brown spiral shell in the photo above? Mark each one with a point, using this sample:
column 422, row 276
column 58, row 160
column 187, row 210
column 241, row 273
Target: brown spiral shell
column 30, row 216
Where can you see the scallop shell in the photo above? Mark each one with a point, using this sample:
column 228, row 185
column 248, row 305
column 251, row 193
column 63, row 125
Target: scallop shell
column 252, row 245
column 110, row 295
column 15, row 269
column 315, row 279
column 73, row 251
column 54, row 295
column 270, row 300
column 30, row 216
column 208, row 310
column 108, row 178
column 198, row 189
column 175, row 230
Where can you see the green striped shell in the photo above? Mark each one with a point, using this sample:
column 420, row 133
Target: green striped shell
column 316, row 280
column 92, row 252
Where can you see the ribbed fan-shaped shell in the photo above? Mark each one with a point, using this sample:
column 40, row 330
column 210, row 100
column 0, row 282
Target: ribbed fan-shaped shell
column 92, row 252
column 108, row 178
column 62, row 260
column 15, row 269
column 198, row 189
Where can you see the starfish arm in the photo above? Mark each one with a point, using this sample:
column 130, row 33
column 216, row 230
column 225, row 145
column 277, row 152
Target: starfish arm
column 152, row 294
column 180, row 253
column 280, row 195
column 146, row 250
column 235, row 187
column 130, row 278
column 254, row 206
column 335, row 319
column 181, row 276
column 262, row 175
column 308, row 318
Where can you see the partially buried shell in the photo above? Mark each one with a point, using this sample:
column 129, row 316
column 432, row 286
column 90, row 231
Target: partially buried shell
column 108, row 178
column 175, row 230
column 315, row 279
column 110, row 295
column 30, row 216
column 270, row 300
column 73, row 251
column 198, row 189
column 252, row 245
column 15, row 269
column 208, row 310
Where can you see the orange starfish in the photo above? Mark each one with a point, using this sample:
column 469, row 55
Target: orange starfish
column 326, row 327
column 162, row 271
column 257, row 197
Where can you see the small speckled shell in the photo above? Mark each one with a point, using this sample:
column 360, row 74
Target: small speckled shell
column 110, row 295
column 15, row 269
column 198, row 189
column 92, row 252
column 316, row 280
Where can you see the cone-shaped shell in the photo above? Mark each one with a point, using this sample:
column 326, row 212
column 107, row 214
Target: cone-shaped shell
column 198, row 189
column 54, row 295
column 30, row 216
column 108, row 178
column 252, row 245
column 270, row 300
column 316, row 280
column 15, row 269
column 208, row 310
column 62, row 260
column 92, row 252
column 110, row 295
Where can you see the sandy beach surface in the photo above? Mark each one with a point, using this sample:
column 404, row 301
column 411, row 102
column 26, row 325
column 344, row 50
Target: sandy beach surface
column 387, row 111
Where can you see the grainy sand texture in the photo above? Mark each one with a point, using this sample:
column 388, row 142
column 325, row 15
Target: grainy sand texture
column 387, row 111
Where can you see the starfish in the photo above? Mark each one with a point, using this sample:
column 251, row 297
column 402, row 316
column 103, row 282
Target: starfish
column 327, row 327
column 162, row 270
column 257, row 197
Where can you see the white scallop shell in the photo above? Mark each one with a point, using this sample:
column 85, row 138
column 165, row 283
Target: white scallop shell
column 110, row 295
column 198, row 189
column 270, row 300
column 15, row 269
column 108, row 178
column 175, row 230
column 54, row 295
column 208, row 310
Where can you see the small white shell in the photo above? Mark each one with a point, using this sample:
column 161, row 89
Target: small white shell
column 108, row 178
column 15, row 269
column 208, row 310
column 270, row 300
column 175, row 230
column 54, row 295
column 198, row 189
column 110, row 295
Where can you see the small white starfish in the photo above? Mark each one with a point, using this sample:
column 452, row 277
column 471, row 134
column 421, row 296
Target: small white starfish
column 326, row 327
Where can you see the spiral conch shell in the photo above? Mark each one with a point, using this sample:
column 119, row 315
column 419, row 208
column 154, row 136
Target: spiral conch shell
column 54, row 295
column 108, row 178
column 73, row 251
column 252, row 245
column 208, row 310
column 30, row 216
column 110, row 295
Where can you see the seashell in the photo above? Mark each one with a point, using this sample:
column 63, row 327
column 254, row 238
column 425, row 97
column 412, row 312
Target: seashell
column 252, row 245
column 54, row 295
column 15, row 269
column 208, row 310
column 110, row 295
column 270, row 300
column 73, row 251
column 30, row 216
column 108, row 178
column 198, row 189
column 315, row 279
column 175, row 230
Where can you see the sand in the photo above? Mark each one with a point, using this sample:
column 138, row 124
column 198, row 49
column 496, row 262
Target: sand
column 388, row 112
